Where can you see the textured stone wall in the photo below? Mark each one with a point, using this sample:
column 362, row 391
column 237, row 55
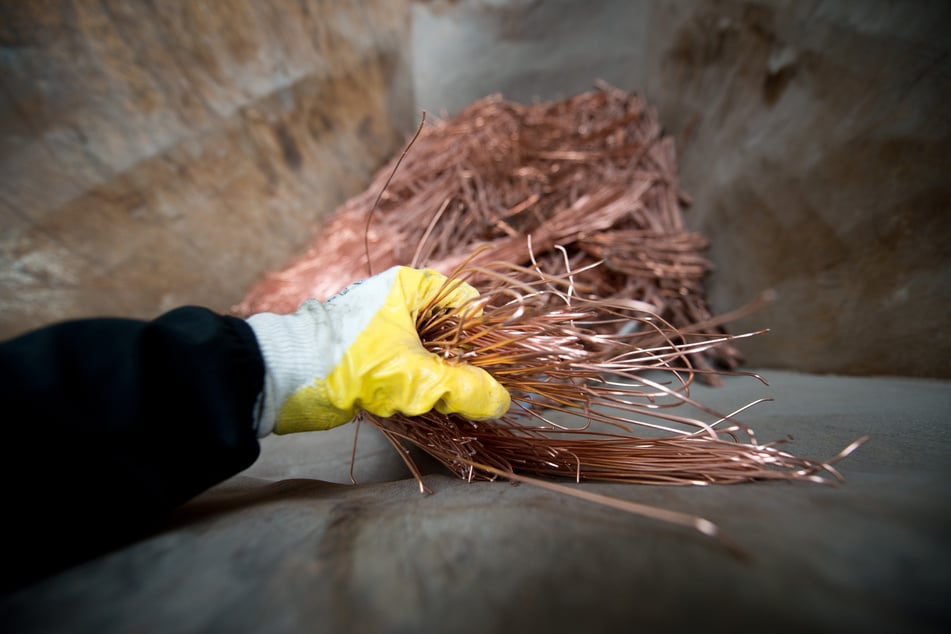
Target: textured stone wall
column 814, row 137
column 158, row 154
column 817, row 143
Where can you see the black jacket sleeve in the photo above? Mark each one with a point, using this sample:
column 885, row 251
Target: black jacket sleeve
column 109, row 424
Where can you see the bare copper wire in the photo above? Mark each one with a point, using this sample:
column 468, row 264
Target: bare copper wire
column 592, row 174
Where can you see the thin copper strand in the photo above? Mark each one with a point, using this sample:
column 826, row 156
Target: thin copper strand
column 376, row 203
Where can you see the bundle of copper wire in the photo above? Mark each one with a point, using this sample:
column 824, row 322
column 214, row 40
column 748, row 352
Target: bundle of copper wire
column 592, row 176
column 598, row 390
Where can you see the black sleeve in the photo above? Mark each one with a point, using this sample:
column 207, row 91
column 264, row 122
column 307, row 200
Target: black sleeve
column 109, row 424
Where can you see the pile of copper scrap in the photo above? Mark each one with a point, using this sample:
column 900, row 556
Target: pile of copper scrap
column 592, row 399
column 566, row 183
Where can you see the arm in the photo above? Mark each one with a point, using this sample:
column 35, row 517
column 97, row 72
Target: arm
column 111, row 423
column 128, row 419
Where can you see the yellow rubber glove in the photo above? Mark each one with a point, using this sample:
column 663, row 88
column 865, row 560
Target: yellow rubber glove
column 360, row 350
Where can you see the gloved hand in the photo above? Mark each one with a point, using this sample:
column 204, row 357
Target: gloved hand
column 360, row 350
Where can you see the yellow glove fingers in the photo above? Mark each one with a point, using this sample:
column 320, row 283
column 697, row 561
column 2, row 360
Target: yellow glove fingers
column 420, row 287
column 409, row 379
column 473, row 393
column 416, row 382
column 361, row 350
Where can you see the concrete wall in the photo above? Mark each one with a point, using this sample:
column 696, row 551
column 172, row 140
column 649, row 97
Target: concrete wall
column 814, row 137
column 158, row 154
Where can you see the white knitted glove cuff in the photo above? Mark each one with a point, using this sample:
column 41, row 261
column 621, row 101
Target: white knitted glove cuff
column 301, row 348
column 297, row 349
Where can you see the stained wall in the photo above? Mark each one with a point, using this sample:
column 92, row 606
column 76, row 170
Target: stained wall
column 160, row 154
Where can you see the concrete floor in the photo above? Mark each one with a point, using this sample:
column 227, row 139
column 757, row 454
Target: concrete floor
column 287, row 547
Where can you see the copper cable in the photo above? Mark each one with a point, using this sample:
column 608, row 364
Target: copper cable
column 592, row 174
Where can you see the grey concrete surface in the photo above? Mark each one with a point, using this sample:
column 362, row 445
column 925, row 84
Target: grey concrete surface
column 289, row 546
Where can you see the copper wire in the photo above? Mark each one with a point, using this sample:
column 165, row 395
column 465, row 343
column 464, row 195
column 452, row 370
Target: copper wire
column 592, row 175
